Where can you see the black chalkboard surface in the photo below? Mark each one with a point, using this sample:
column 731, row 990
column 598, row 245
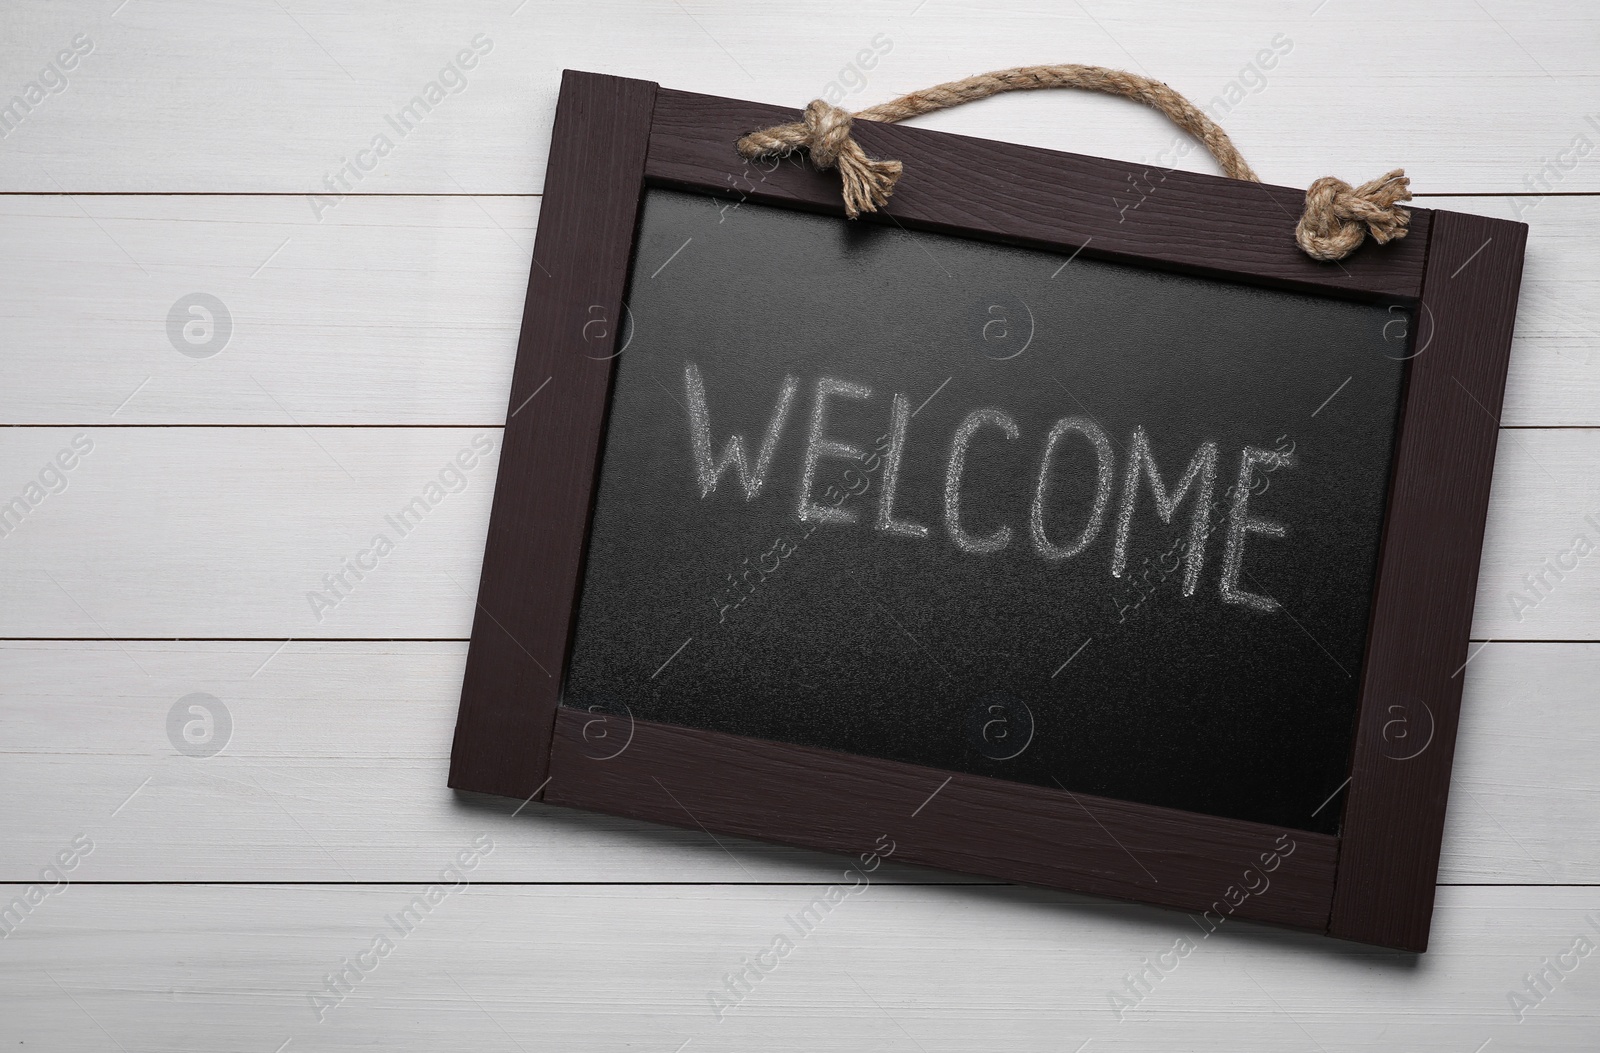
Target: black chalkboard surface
column 994, row 510
column 1029, row 527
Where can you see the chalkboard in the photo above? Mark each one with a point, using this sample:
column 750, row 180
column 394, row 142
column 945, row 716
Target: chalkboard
column 1061, row 522
column 1023, row 514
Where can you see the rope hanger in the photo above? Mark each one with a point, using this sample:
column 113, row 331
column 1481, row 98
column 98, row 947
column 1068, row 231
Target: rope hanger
column 1336, row 219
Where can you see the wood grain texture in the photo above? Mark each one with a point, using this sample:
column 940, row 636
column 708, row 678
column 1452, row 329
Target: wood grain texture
column 1003, row 192
column 1422, row 611
column 942, row 970
column 222, row 532
column 538, row 528
column 983, row 188
column 969, row 823
column 1540, row 505
column 335, row 770
column 269, row 98
column 405, row 310
column 210, row 532
column 391, row 310
column 201, row 533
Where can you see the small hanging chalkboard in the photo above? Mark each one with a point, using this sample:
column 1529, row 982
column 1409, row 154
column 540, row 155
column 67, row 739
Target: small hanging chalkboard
column 1066, row 521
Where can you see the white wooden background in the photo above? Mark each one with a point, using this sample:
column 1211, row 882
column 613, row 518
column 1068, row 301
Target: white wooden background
column 371, row 342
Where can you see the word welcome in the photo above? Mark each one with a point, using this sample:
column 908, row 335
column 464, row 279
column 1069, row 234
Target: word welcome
column 741, row 983
column 337, row 986
column 1199, row 477
column 54, row 882
column 452, row 479
column 1558, row 567
column 452, row 80
column 1542, row 984
column 52, row 479
column 1139, row 984
column 52, row 80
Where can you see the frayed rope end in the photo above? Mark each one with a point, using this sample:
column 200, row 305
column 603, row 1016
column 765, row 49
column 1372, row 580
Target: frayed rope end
column 825, row 134
column 1336, row 220
column 1339, row 217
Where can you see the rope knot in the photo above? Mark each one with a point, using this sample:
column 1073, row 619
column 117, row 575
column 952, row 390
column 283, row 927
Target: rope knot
column 824, row 132
column 827, row 132
column 1338, row 217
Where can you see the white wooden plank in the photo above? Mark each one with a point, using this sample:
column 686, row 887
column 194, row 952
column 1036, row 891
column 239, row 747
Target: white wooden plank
column 227, row 532
column 1524, row 781
column 406, row 310
column 1543, row 510
column 181, row 95
column 930, row 969
column 394, row 310
column 332, row 767
column 1554, row 377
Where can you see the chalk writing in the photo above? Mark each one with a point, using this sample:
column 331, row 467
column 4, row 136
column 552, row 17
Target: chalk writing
column 1196, row 485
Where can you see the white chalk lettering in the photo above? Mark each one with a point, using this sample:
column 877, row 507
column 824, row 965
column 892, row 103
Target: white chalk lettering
column 952, row 482
column 818, row 447
column 1059, row 527
column 708, row 471
column 1202, row 468
column 1240, row 523
column 891, row 474
column 1104, row 473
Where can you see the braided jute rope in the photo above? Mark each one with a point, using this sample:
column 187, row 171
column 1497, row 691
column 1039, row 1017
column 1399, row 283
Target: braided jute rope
column 1336, row 219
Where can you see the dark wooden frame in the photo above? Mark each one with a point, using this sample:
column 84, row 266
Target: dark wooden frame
column 1373, row 883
